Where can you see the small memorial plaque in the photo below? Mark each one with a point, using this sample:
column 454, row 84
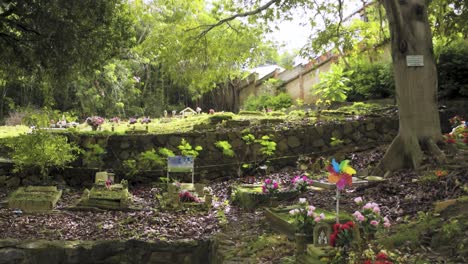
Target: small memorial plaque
column 415, row 60
column 180, row 164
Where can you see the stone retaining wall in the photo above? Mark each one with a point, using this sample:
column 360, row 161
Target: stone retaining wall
column 82, row 252
column 212, row 164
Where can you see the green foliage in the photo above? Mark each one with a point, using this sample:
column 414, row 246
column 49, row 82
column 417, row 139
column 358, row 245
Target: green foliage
column 333, row 84
column 41, row 151
column 278, row 102
column 225, row 147
column 147, row 161
column 268, row 146
column 93, row 154
column 187, row 150
column 297, row 113
column 452, row 70
column 254, row 113
column 370, row 81
column 334, row 142
column 218, row 118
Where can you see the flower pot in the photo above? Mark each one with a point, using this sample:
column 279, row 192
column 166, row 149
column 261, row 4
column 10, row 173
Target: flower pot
column 208, row 200
column 274, row 202
column 301, row 243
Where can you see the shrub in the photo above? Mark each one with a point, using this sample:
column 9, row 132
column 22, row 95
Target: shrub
column 370, row 81
column 452, row 69
column 278, row 102
column 41, row 151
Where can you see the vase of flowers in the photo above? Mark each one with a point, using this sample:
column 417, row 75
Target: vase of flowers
column 94, row 122
column 300, row 183
column 271, row 187
column 305, row 218
column 369, row 218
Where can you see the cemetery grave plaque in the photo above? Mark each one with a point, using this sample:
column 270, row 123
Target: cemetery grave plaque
column 33, row 199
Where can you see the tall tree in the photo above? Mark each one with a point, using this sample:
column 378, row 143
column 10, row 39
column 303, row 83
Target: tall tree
column 416, row 87
column 51, row 40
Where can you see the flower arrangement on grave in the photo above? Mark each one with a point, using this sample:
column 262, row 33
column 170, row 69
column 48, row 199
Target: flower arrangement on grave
column 145, row 120
column 270, row 186
column 456, row 121
column 187, row 197
column 341, row 175
column 300, row 183
column 459, row 133
column 369, row 218
column 305, row 216
column 94, row 121
column 380, row 258
column 115, row 120
column 132, row 121
column 342, row 235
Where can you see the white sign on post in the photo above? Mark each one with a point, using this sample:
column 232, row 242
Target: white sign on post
column 415, row 60
column 181, row 164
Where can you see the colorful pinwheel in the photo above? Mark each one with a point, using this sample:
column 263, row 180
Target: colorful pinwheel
column 341, row 173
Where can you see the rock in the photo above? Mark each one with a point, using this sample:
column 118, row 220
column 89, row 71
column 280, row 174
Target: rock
column 124, row 145
column 319, row 130
column 442, row 205
column 12, row 255
column 318, row 143
column 124, row 155
column 174, row 141
column 348, row 128
column 293, row 142
column 282, row 145
column 12, row 182
column 3, row 178
column 370, row 126
column 356, row 136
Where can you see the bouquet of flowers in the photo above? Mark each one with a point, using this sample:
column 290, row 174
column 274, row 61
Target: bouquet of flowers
column 270, row 186
column 305, row 216
column 115, row 120
column 132, row 120
column 370, row 218
column 300, row 183
column 187, row 197
column 342, row 234
column 94, row 121
column 145, row 120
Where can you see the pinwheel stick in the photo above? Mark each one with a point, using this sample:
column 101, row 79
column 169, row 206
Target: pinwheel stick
column 337, row 205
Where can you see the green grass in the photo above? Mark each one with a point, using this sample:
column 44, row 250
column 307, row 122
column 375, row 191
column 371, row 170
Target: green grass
column 12, row 131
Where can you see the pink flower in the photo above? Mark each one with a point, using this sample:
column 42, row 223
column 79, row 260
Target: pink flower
column 312, row 208
column 358, row 200
column 368, row 206
column 268, row 181
column 387, row 224
column 275, row 185
column 374, row 222
column 376, row 210
column 322, row 216
column 317, row 219
column 361, row 218
column 310, row 213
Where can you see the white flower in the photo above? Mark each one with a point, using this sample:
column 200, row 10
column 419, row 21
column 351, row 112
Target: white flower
column 302, row 200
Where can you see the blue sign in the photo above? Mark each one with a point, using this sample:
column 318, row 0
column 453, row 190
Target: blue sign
column 180, row 164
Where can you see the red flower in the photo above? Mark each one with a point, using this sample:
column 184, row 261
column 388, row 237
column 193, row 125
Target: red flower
column 382, row 256
column 367, row 262
column 332, row 239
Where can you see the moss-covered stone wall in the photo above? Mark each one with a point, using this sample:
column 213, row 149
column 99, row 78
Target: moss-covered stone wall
column 212, row 164
column 82, row 252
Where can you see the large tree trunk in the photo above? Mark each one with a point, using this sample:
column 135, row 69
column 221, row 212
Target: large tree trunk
column 416, row 87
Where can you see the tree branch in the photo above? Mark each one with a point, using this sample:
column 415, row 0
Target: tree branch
column 245, row 14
